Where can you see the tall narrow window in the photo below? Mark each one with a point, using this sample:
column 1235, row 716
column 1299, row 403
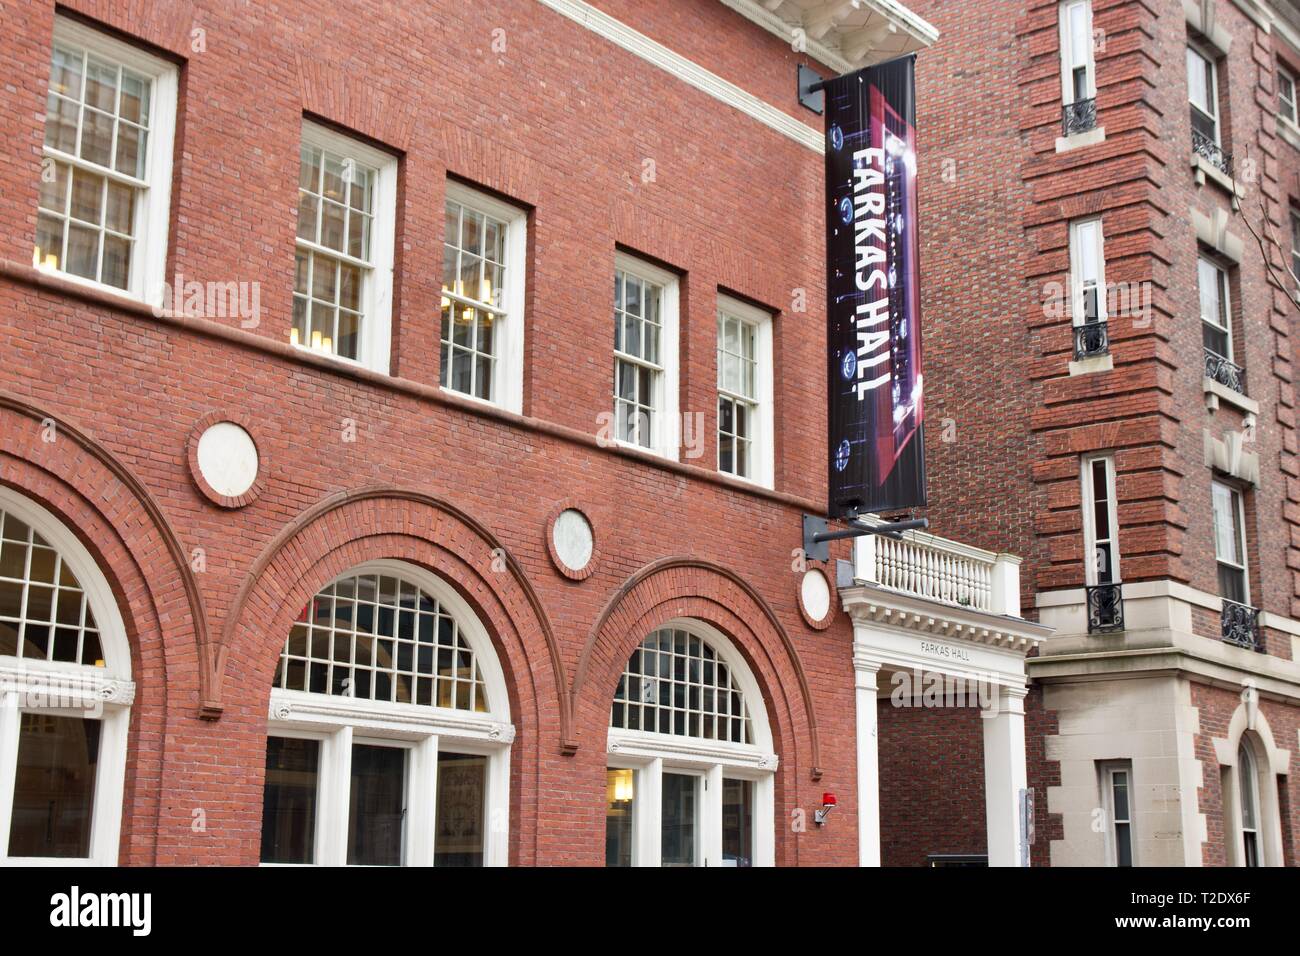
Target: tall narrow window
column 1117, row 792
column 1248, row 792
column 1286, row 102
column 1230, row 543
column 1101, row 530
column 484, row 247
column 1087, row 261
column 744, row 391
column 645, row 356
column 106, row 182
column 620, row 791
column 1295, row 244
column 1216, row 320
column 1077, row 64
column 1203, row 93
column 343, row 276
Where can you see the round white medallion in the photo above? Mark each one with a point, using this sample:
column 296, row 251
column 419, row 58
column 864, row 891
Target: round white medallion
column 571, row 537
column 815, row 593
column 227, row 459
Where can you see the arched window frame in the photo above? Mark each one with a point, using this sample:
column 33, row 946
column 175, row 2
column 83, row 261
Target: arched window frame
column 71, row 690
column 650, row 754
column 339, row 721
column 1249, row 727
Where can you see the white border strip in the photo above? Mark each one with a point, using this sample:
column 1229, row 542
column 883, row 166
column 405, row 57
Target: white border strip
column 638, row 44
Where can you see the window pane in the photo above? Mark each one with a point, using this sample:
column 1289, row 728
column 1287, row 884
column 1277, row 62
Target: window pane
column 620, row 798
column 289, row 800
column 680, row 793
column 54, row 786
column 1080, row 40
column 1226, row 539
column 376, row 806
column 1123, row 845
column 462, row 799
column 1198, row 83
column 737, row 823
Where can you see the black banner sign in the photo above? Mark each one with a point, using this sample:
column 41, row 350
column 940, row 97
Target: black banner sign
column 873, row 309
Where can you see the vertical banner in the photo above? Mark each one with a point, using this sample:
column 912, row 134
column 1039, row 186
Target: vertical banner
column 873, row 309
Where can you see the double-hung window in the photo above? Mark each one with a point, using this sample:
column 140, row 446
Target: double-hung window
column 1203, row 92
column 482, row 337
column 1216, row 323
column 106, row 173
column 343, row 276
column 645, row 356
column 1088, row 283
column 1101, row 529
column 1230, row 543
column 1078, row 80
column 744, row 391
column 1286, row 102
column 1295, row 244
column 1248, row 796
column 1117, row 797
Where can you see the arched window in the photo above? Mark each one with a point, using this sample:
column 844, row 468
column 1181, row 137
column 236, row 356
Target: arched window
column 390, row 729
column 690, row 768
column 65, row 694
column 1248, row 797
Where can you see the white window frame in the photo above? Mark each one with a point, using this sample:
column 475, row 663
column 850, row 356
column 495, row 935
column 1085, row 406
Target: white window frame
column 508, row 338
column 1078, row 244
column 1248, row 799
column 1068, row 66
column 374, row 350
column 1295, row 243
column 1090, row 540
column 1239, row 506
column 339, row 722
column 81, row 691
column 667, row 434
column 148, row 266
column 763, row 440
column 651, row 755
column 1210, row 108
column 1108, row 769
column 1224, row 289
column 1286, row 108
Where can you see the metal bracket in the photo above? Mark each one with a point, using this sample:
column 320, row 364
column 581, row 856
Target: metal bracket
column 817, row 534
column 812, row 92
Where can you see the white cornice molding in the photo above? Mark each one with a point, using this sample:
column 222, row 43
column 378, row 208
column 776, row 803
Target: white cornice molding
column 413, row 721
column 872, row 605
column 39, row 685
column 640, row 745
column 689, row 72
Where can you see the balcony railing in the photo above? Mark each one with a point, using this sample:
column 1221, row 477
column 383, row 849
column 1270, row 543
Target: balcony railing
column 1211, row 152
column 1105, row 608
column 1219, row 369
column 1240, row 625
column 1091, row 339
column 1078, row 117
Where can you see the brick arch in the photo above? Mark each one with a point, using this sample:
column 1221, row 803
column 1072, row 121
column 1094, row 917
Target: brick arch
column 56, row 464
column 351, row 528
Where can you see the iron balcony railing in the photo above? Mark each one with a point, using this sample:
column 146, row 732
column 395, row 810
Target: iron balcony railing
column 1091, row 338
column 1105, row 608
column 1078, row 117
column 1229, row 375
column 1212, row 152
column 1240, row 625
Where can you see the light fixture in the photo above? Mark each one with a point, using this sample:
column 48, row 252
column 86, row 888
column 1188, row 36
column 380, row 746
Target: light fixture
column 315, row 340
column 828, row 804
column 293, row 336
column 621, row 788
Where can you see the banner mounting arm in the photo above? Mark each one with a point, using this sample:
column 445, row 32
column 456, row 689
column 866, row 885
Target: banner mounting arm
column 817, row 534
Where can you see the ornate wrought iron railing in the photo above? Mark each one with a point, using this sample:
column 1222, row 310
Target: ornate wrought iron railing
column 1229, row 375
column 1212, row 152
column 1105, row 608
column 1240, row 625
column 1091, row 338
column 1078, row 117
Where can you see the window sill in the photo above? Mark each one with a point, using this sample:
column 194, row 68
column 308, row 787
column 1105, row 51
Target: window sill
column 1289, row 132
column 1095, row 363
column 1202, row 170
column 100, row 287
column 1079, row 140
column 1216, row 393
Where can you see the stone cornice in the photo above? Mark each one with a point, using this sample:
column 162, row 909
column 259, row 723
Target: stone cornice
column 868, row 604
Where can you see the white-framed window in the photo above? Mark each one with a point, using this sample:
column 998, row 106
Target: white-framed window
column 343, row 261
column 1117, row 801
column 389, row 738
column 1230, row 542
column 1100, row 521
column 1216, row 307
column 1088, row 272
column 745, row 392
column 1248, row 797
column 690, row 778
column 1286, row 101
column 1295, row 244
column 105, row 187
column 485, row 245
column 65, row 695
column 1203, row 92
column 645, row 356
column 1078, row 68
